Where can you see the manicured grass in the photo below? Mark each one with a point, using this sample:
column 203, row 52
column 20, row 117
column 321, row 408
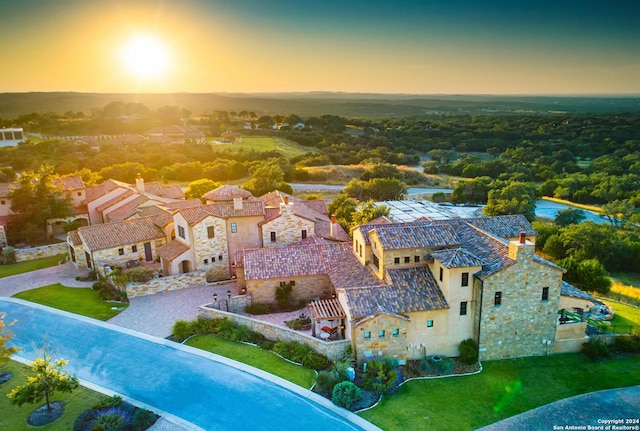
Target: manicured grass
column 32, row 265
column 76, row 300
column 256, row 357
column 624, row 315
column 14, row 418
column 263, row 143
column 503, row 389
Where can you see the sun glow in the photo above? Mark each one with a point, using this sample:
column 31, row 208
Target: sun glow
column 145, row 57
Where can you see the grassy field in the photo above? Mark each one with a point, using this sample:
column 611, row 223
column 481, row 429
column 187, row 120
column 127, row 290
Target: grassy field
column 14, row 418
column 503, row 389
column 256, row 357
column 32, row 265
column 625, row 315
column 261, row 143
column 83, row 301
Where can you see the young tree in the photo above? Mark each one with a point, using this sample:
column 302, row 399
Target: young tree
column 5, row 337
column 368, row 211
column 38, row 198
column 199, row 187
column 49, row 377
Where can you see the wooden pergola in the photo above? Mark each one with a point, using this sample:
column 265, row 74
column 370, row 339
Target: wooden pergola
column 326, row 310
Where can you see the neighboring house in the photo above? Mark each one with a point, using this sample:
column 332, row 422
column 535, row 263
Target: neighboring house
column 410, row 290
column 232, row 220
column 71, row 187
column 10, row 137
column 177, row 134
column 122, row 243
column 232, row 137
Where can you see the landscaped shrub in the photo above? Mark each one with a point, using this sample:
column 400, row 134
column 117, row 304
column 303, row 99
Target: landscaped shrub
column 182, row 330
column 627, row 344
column 257, row 309
column 344, row 394
column 204, row 325
column 380, row 376
column 468, row 351
column 111, row 419
column 425, row 365
column 283, row 296
column 326, row 381
column 8, row 256
column 143, row 419
column 315, row 361
column 82, row 421
column 595, row 349
column 266, row 344
column 140, row 274
column 444, row 366
column 104, row 403
column 302, row 354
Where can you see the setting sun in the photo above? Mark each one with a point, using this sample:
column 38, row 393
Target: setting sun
column 145, row 57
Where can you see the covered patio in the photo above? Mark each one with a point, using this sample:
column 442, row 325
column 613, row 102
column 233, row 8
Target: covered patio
column 327, row 319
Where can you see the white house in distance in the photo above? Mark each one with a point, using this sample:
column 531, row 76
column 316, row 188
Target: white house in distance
column 10, row 137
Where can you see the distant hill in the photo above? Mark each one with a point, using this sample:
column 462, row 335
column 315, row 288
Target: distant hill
column 319, row 103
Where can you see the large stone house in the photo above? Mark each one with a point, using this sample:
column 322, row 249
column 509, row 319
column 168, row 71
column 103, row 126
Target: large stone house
column 410, row 290
column 207, row 237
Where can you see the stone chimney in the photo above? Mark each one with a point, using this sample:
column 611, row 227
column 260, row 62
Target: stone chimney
column 140, row 184
column 334, row 227
column 521, row 249
column 286, row 200
column 237, row 204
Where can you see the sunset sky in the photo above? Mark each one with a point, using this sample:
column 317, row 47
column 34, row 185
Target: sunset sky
column 372, row 46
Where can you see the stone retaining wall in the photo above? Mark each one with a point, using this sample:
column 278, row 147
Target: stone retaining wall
column 26, row 254
column 334, row 350
column 163, row 284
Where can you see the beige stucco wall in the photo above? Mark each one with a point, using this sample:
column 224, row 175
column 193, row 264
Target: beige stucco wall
column 570, row 302
column 358, row 245
column 518, row 327
column 306, row 289
column 247, row 236
column 288, row 228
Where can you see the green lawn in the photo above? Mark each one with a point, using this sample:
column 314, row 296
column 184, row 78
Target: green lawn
column 256, row 357
column 503, row 389
column 76, row 300
column 262, row 143
column 32, row 265
column 624, row 315
column 14, row 418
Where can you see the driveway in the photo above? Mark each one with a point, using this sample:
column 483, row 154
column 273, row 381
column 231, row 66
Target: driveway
column 203, row 389
column 65, row 274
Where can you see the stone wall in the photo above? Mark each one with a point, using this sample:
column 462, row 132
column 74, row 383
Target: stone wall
column 306, row 289
column 163, row 284
column 570, row 337
column 523, row 323
column 369, row 341
column 332, row 349
column 3, row 236
column 25, row 254
column 113, row 258
column 211, row 253
column 288, row 228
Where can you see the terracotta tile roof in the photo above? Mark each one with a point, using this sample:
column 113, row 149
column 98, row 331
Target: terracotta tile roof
column 508, row 226
column 110, row 235
column 292, row 261
column 172, row 250
column 493, row 251
column 190, row 203
column 74, row 237
column 411, row 290
column 227, row 193
column 383, row 223
column 318, row 205
column 348, row 273
column 100, row 190
column 222, row 210
column 172, row 192
column 270, row 213
column 567, row 289
column 72, row 183
column 323, row 229
column 457, row 258
column 115, row 200
column 401, row 237
column 67, row 184
column 127, row 210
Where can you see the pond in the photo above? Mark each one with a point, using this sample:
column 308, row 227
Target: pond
column 549, row 210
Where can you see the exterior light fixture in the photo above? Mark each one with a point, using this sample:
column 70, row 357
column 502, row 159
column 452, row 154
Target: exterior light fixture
column 228, row 293
column 215, row 297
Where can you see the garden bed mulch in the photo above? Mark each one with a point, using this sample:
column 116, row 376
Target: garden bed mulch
column 41, row 416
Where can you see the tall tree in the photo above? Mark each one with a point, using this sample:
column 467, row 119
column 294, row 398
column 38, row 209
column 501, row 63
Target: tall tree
column 515, row 198
column 5, row 337
column 368, row 211
column 199, row 187
column 38, row 197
